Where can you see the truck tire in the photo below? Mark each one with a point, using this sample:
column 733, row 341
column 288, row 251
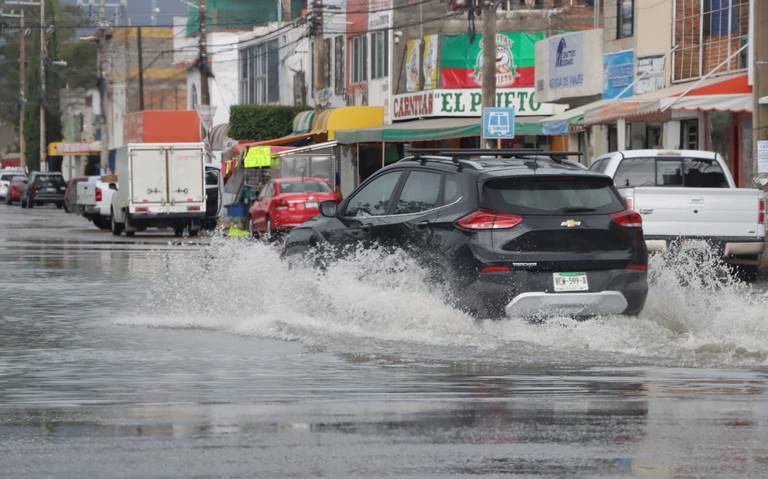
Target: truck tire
column 116, row 227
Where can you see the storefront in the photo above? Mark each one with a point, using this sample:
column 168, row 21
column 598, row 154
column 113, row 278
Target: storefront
column 713, row 114
column 366, row 150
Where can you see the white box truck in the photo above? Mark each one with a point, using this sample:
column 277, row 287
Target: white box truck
column 160, row 185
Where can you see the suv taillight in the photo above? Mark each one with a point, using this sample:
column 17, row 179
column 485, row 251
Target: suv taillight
column 98, row 194
column 761, row 211
column 488, row 220
column 628, row 218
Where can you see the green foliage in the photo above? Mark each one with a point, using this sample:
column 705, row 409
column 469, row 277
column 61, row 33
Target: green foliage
column 261, row 122
column 62, row 45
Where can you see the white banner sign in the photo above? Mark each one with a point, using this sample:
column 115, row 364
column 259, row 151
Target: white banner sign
column 466, row 102
column 650, row 74
column 565, row 61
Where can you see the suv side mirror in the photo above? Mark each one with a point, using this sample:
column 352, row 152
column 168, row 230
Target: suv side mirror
column 113, row 186
column 329, row 208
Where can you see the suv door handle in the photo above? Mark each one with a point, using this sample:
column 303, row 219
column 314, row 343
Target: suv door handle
column 422, row 225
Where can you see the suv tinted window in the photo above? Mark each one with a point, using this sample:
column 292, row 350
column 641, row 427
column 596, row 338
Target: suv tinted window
column 452, row 190
column 420, row 193
column 551, row 195
column 599, row 165
column 374, row 198
column 49, row 180
column 700, row 173
column 635, row 172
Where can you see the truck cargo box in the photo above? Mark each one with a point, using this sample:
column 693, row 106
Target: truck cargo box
column 162, row 126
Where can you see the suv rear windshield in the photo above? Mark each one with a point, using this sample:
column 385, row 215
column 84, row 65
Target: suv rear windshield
column 49, row 180
column 304, row 187
column 546, row 195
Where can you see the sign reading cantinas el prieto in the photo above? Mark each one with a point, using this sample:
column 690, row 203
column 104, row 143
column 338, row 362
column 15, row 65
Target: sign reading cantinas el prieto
column 466, row 102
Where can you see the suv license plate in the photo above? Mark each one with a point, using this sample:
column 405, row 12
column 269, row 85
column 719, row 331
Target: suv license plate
column 310, row 205
column 565, row 282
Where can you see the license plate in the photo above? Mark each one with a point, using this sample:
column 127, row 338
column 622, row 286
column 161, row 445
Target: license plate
column 570, row 282
column 50, row 190
column 310, row 205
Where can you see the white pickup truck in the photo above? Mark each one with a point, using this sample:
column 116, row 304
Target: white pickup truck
column 160, row 185
column 689, row 196
column 94, row 199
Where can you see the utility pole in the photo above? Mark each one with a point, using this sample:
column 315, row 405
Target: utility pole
column 43, row 89
column 23, row 71
column 319, row 45
column 489, row 59
column 141, row 69
column 205, row 95
column 23, row 90
column 760, row 78
column 103, row 90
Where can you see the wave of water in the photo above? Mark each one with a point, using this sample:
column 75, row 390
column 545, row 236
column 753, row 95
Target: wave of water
column 373, row 302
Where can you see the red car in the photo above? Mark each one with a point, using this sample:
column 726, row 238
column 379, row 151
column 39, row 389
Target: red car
column 285, row 203
column 15, row 189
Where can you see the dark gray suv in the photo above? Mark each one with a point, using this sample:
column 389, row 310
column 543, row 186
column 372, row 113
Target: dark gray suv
column 509, row 232
column 44, row 188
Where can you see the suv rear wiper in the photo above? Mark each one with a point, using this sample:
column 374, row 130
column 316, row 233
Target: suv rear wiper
column 577, row 209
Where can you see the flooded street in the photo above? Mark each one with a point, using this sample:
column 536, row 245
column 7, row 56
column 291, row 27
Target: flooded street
column 160, row 358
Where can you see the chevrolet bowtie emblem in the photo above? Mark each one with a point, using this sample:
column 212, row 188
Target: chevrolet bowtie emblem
column 570, row 223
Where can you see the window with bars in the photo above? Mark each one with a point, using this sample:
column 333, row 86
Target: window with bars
column 710, row 34
column 358, row 59
column 260, row 73
column 379, row 54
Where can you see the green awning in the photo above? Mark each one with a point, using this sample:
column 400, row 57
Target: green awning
column 431, row 129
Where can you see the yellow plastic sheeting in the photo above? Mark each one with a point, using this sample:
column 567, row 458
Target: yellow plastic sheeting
column 258, row 157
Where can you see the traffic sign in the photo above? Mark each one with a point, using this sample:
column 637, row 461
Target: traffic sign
column 498, row 123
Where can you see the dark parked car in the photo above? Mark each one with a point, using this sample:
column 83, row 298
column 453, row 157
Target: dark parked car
column 519, row 233
column 43, row 188
column 70, row 194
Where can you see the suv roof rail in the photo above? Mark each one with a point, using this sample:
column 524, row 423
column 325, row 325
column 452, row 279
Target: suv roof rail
column 491, row 152
column 460, row 163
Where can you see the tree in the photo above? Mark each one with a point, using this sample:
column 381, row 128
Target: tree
column 62, row 44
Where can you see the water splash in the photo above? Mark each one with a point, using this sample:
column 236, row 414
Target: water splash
column 697, row 313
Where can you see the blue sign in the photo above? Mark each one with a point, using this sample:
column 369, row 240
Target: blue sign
column 498, row 123
column 619, row 71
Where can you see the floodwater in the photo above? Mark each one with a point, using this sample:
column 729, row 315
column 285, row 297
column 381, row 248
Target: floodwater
column 159, row 358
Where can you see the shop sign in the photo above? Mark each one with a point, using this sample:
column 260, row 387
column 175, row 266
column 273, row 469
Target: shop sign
column 650, row 74
column 413, row 65
column 429, row 60
column 565, row 61
column 618, row 74
column 61, row 148
column 461, row 60
column 466, row 102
